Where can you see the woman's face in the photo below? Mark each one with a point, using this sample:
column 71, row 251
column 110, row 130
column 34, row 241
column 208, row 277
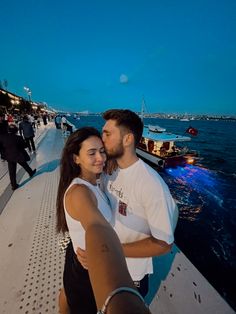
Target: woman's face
column 92, row 156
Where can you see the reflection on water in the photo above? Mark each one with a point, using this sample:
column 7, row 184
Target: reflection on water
column 206, row 227
column 200, row 179
column 193, row 187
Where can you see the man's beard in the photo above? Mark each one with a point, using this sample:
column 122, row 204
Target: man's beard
column 116, row 153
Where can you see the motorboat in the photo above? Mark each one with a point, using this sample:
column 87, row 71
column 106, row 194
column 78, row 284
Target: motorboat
column 156, row 128
column 164, row 150
column 184, row 118
column 159, row 147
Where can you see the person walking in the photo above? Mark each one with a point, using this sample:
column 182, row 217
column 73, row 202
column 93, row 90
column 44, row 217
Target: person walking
column 3, row 130
column 27, row 131
column 32, row 121
column 64, row 125
column 14, row 150
column 57, row 120
column 45, row 118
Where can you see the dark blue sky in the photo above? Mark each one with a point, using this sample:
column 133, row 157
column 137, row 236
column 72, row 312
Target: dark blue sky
column 94, row 55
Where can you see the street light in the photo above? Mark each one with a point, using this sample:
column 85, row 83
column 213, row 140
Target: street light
column 28, row 91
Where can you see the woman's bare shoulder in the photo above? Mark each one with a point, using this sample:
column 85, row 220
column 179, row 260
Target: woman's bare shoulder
column 80, row 190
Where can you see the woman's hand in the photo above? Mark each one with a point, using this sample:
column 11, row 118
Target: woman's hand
column 82, row 257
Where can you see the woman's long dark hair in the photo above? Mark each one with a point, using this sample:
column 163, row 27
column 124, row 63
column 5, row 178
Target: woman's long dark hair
column 70, row 170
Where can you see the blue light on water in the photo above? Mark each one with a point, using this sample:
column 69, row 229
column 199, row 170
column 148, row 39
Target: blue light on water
column 201, row 180
column 196, row 177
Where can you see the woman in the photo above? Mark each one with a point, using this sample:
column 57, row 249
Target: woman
column 78, row 200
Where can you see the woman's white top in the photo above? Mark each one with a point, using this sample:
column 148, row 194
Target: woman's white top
column 76, row 230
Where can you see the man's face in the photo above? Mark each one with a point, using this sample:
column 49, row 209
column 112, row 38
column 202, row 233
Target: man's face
column 113, row 140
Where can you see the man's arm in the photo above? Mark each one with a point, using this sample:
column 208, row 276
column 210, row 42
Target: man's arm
column 148, row 247
column 161, row 213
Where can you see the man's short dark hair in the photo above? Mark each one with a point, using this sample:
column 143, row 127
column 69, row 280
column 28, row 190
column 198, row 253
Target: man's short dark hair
column 127, row 119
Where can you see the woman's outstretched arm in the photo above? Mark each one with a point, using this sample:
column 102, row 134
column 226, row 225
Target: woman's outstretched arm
column 108, row 271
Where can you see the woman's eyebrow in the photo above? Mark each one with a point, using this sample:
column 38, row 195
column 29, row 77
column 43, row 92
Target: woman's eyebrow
column 94, row 149
column 91, row 149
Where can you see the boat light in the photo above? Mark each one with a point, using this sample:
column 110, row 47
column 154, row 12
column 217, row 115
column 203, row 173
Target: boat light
column 190, row 160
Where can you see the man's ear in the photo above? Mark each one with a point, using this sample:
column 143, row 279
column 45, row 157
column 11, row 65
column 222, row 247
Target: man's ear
column 76, row 159
column 128, row 139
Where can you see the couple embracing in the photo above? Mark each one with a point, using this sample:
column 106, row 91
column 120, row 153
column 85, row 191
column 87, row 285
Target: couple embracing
column 133, row 199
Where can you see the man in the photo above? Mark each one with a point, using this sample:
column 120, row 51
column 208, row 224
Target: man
column 145, row 212
column 14, row 150
column 3, row 130
column 58, row 121
column 27, row 131
column 32, row 121
column 64, row 125
column 45, row 118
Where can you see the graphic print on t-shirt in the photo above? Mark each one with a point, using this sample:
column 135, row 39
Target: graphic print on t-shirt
column 122, row 208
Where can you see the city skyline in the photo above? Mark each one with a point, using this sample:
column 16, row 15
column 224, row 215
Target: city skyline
column 99, row 55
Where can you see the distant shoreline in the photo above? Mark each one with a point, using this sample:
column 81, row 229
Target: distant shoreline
column 175, row 117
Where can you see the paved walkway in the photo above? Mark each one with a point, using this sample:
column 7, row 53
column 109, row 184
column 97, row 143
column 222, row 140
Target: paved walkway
column 31, row 262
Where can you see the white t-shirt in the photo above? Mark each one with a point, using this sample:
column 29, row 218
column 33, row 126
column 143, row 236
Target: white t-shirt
column 143, row 207
column 31, row 119
column 63, row 120
column 76, row 230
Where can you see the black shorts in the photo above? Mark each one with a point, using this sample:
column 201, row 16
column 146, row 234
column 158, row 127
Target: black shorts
column 142, row 285
column 77, row 285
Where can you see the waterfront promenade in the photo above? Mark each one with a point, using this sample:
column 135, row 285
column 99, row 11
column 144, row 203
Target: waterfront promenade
column 31, row 262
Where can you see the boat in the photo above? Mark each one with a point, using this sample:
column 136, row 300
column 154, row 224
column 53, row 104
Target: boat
column 162, row 148
column 184, row 119
column 156, row 128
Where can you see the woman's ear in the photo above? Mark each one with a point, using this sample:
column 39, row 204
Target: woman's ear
column 76, row 159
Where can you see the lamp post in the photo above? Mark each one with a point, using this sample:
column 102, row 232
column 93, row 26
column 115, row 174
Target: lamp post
column 28, row 91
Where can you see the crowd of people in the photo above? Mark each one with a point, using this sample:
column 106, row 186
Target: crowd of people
column 62, row 123
column 101, row 188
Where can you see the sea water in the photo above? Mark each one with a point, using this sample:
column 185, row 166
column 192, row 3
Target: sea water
column 206, row 197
